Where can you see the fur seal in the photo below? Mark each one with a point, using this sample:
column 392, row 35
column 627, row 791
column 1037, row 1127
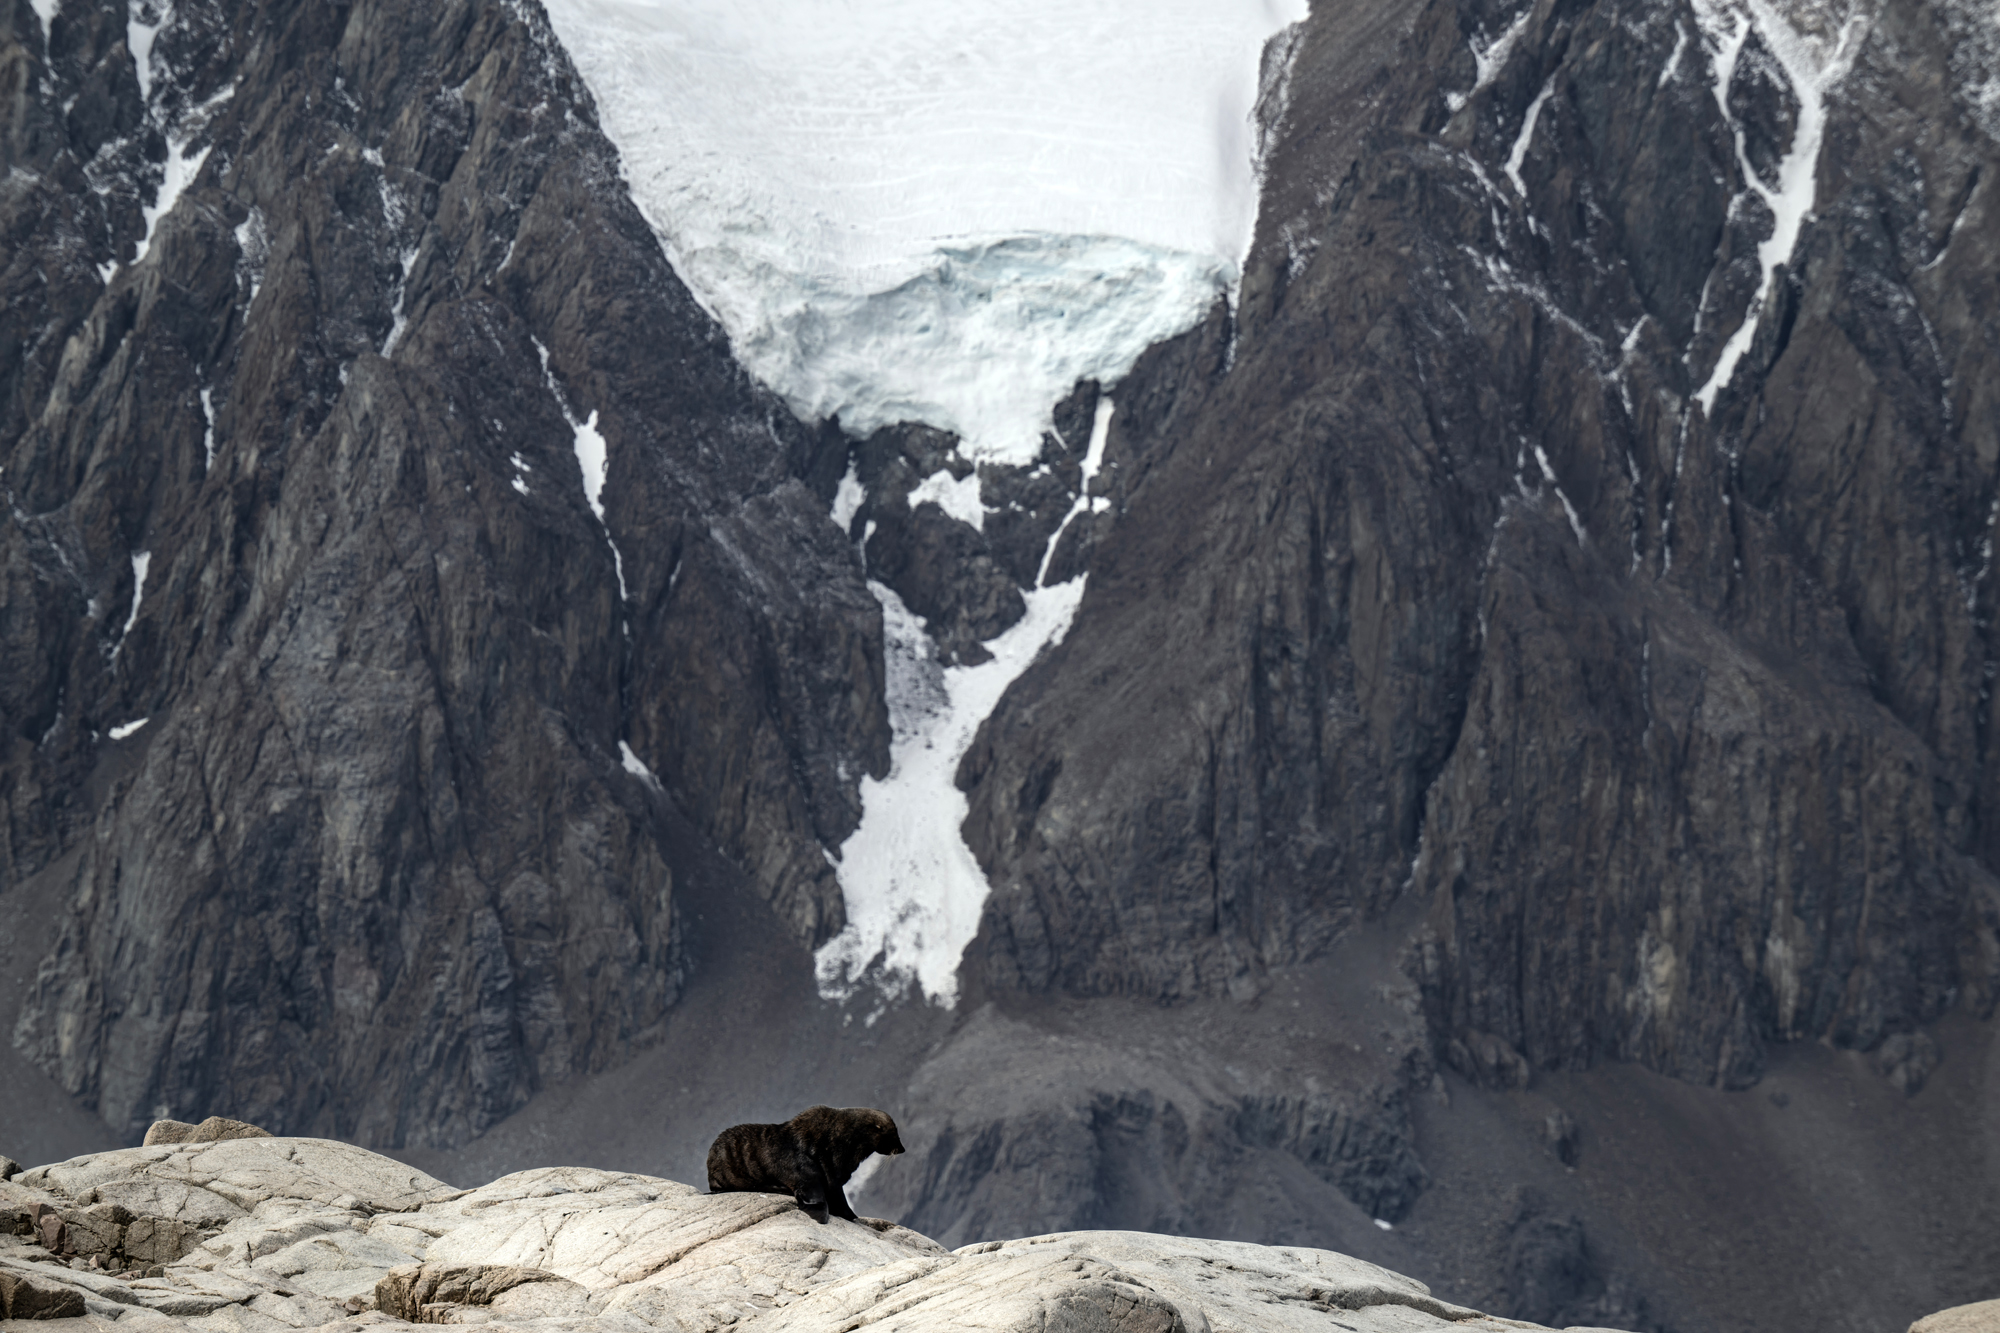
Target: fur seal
column 808, row 1157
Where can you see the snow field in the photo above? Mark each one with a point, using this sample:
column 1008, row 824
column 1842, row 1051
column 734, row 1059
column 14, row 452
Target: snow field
column 913, row 889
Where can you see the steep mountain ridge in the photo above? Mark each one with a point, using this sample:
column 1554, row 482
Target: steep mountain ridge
column 435, row 692
column 1675, row 721
column 361, row 848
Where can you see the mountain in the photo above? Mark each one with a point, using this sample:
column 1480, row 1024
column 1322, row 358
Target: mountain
column 1473, row 752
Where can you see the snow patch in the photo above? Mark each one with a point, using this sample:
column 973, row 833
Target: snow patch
column 182, row 168
column 208, row 432
column 913, row 889
column 139, row 36
column 636, row 767
column 593, row 457
column 141, row 562
column 45, row 10
column 1519, row 154
column 1093, row 459
column 847, row 498
column 909, row 212
column 862, row 1175
column 120, row 733
column 958, row 497
column 1811, row 71
column 253, row 244
column 1674, row 60
column 1549, row 475
column 1490, row 60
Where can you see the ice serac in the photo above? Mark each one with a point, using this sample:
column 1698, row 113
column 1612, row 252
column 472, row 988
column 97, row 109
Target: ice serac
column 906, row 212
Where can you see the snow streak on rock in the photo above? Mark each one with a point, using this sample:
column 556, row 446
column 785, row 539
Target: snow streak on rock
column 1526, row 137
column 593, row 459
column 847, row 499
column 1811, row 71
column 912, row 887
column 208, row 431
column 948, row 214
column 1490, row 58
column 141, row 28
column 958, row 497
column 141, row 562
column 45, row 10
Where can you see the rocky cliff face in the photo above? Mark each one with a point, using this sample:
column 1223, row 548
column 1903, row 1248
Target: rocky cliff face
column 329, row 677
column 1462, row 568
column 1545, row 621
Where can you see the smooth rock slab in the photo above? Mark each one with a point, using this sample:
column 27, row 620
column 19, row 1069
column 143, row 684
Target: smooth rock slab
column 1981, row 1317
column 326, row 1236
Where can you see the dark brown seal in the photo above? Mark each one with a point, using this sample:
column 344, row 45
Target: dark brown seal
column 808, row 1157
column 769, row 1159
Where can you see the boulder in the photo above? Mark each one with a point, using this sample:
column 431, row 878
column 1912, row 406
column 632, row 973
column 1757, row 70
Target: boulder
column 428, row 1293
column 25, row 1298
column 211, row 1130
column 1980, row 1317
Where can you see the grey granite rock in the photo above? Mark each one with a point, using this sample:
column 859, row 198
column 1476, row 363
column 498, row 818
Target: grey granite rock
column 208, row 1131
column 1981, row 1317
column 565, row 1248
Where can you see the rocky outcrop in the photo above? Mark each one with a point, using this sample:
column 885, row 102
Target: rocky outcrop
column 363, row 729
column 1440, row 580
column 327, row 1236
column 212, row 1130
column 1982, row 1317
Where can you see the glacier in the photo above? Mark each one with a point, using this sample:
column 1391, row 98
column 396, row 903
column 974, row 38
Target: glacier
column 948, row 215
column 937, row 213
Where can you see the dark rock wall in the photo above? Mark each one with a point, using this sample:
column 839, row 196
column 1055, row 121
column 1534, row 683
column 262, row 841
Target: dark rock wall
column 374, row 867
column 1421, row 593
column 1436, row 585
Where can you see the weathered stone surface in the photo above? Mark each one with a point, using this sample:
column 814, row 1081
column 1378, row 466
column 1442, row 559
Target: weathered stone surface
column 211, row 1130
column 208, row 1183
column 23, row 1297
column 551, row 1247
column 423, row 1293
column 1982, row 1317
